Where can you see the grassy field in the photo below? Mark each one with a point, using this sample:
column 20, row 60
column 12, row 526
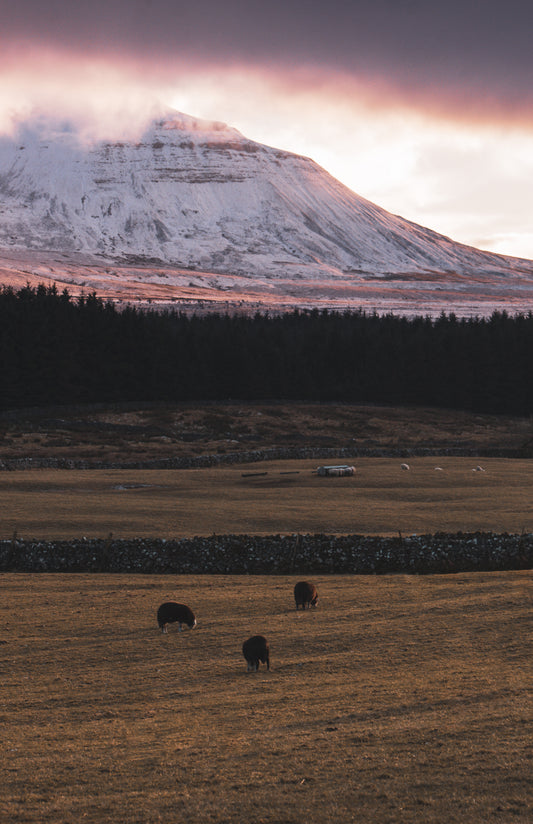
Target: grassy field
column 399, row 699
column 270, row 497
column 116, row 434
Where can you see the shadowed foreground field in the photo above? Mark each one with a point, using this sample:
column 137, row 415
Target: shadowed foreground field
column 399, row 699
column 270, row 497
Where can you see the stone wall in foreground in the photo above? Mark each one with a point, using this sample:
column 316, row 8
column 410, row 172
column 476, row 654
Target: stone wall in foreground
column 275, row 554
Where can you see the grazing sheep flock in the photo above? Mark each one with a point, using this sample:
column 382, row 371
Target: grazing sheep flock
column 256, row 649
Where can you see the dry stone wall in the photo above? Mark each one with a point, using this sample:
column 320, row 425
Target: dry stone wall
column 300, row 554
column 347, row 455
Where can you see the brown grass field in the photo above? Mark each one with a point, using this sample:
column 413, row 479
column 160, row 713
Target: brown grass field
column 399, row 699
column 379, row 499
column 115, row 433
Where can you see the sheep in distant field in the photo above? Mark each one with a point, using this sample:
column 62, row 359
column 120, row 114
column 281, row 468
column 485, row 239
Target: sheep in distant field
column 405, row 466
column 305, row 595
column 171, row 613
column 439, row 469
column 478, row 469
column 256, row 649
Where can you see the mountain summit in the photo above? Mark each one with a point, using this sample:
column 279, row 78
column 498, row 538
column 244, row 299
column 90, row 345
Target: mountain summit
column 200, row 196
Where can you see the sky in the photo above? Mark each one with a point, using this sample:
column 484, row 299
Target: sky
column 423, row 107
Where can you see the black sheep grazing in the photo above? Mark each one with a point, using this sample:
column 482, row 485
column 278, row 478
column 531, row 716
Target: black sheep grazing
column 170, row 613
column 305, row 595
column 256, row 649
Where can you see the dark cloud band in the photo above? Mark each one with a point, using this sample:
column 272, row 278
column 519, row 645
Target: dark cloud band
column 467, row 50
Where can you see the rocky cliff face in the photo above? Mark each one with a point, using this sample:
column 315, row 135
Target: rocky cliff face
column 201, row 196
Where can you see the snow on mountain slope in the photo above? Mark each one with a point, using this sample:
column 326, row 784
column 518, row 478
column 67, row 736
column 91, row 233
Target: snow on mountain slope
column 199, row 195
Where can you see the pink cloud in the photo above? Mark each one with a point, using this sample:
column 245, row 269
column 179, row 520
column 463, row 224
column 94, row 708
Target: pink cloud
column 375, row 132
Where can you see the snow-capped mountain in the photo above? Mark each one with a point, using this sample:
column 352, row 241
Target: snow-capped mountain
column 200, row 196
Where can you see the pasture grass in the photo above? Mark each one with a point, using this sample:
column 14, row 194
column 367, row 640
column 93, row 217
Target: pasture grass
column 399, row 699
column 118, row 433
column 288, row 497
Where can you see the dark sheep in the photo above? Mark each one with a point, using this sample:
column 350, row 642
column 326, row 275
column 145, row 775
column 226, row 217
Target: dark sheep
column 305, row 594
column 170, row 613
column 256, row 649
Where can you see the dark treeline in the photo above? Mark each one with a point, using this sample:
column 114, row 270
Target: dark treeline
column 55, row 349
